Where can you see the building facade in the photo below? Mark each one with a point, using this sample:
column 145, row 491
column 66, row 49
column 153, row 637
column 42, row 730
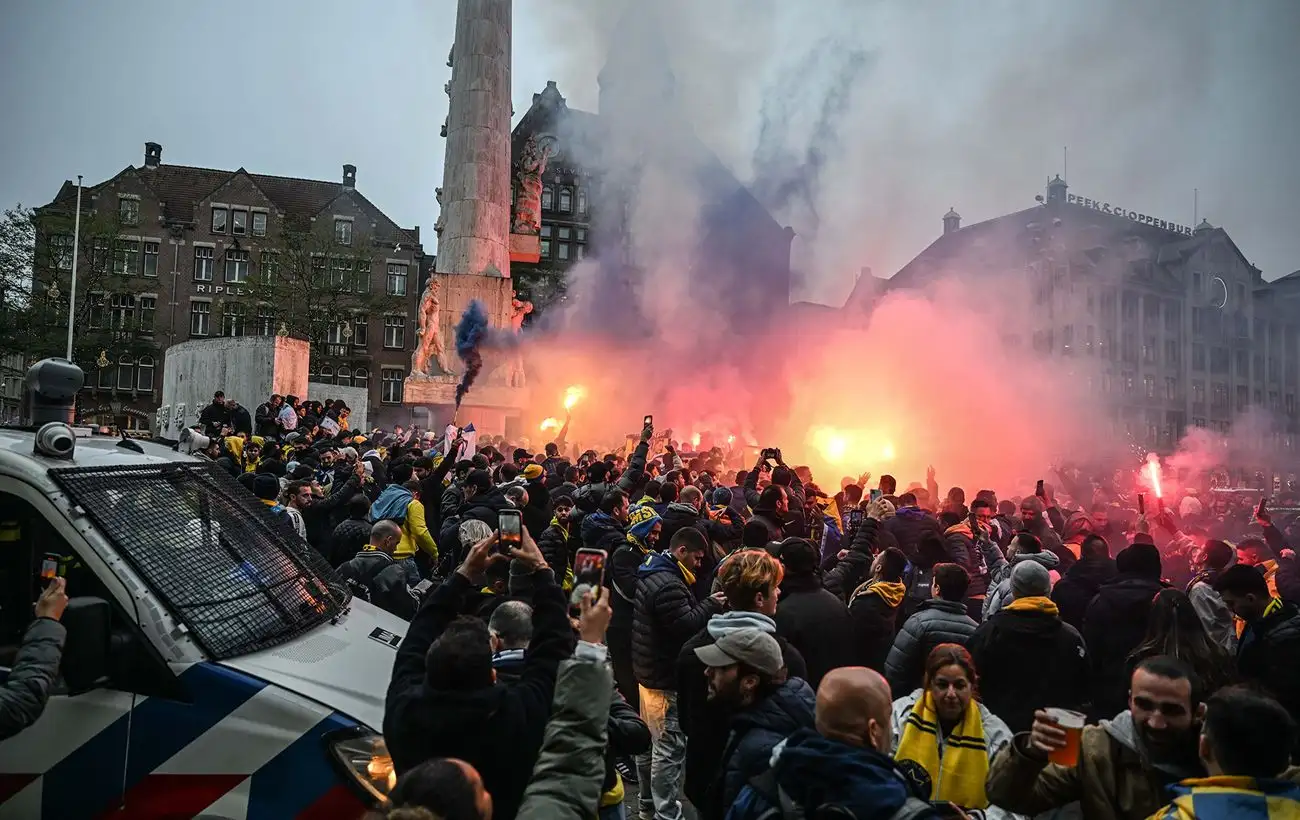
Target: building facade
column 202, row 252
column 1182, row 328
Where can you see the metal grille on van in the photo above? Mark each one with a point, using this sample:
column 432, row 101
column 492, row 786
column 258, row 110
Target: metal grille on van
column 234, row 573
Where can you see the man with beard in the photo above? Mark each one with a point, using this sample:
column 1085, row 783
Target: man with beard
column 746, row 677
column 1125, row 765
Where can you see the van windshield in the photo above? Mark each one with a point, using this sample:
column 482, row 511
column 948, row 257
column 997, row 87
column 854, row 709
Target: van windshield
column 229, row 569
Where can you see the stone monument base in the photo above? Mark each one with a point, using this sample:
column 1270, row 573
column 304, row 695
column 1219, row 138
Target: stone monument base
column 494, row 409
column 525, row 248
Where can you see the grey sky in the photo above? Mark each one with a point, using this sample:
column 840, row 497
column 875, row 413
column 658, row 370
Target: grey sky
column 942, row 104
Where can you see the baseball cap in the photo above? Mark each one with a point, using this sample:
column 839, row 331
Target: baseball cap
column 750, row 646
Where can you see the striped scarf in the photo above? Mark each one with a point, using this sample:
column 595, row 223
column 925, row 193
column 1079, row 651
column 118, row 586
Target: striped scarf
column 1232, row 798
column 957, row 764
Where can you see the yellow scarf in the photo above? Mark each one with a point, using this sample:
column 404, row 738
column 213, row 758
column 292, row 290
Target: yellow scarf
column 1034, row 603
column 891, row 592
column 687, row 575
column 615, row 795
column 957, row 773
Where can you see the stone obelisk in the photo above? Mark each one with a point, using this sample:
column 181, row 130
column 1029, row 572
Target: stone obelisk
column 473, row 227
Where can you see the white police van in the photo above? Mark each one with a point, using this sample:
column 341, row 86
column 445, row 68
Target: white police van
column 215, row 665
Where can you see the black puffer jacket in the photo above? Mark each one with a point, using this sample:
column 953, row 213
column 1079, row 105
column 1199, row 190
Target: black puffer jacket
column 665, row 616
column 1029, row 659
column 966, row 552
column 937, row 621
column 754, row 733
column 1113, row 626
column 350, row 537
column 554, row 545
column 1269, row 655
column 1079, row 585
column 383, row 580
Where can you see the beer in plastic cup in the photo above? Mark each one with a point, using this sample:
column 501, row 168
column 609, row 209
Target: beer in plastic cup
column 1072, row 724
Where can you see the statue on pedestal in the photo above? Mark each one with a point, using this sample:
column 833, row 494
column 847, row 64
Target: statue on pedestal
column 428, row 344
column 528, row 177
column 519, row 308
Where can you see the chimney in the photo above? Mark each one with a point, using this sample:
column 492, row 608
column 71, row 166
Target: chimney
column 152, row 155
column 349, row 177
column 951, row 221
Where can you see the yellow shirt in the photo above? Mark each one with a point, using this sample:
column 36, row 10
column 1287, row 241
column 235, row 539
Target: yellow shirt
column 415, row 534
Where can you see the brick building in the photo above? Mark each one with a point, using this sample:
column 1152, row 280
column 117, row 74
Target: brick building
column 1182, row 328
column 205, row 252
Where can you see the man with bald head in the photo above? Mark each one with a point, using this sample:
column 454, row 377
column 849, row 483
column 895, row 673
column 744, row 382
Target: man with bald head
column 844, row 763
column 375, row 576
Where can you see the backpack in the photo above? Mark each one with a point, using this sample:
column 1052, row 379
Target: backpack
column 781, row 807
column 391, row 505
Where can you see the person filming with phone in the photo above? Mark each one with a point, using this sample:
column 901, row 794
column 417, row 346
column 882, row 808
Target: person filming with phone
column 34, row 670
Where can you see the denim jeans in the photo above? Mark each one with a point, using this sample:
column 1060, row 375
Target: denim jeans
column 660, row 772
column 614, row 812
column 412, row 571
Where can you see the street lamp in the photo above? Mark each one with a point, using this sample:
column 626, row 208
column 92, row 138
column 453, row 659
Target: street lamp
column 53, row 291
column 283, row 331
column 102, row 361
column 347, row 332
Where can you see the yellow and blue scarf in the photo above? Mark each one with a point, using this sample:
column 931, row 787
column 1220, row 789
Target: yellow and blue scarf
column 1232, row 798
column 958, row 770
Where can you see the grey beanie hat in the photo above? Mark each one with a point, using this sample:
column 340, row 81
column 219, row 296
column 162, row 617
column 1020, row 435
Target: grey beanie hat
column 1029, row 579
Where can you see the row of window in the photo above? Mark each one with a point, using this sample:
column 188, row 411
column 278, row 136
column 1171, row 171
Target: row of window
column 564, row 201
column 569, row 243
column 1218, row 392
column 391, row 379
column 237, row 320
column 122, row 311
column 238, row 221
column 128, row 374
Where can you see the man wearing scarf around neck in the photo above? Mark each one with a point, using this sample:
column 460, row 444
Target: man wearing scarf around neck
column 639, row 542
column 874, row 607
column 665, row 615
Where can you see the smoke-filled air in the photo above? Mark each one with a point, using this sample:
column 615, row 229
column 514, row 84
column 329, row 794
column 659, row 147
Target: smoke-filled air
column 790, row 102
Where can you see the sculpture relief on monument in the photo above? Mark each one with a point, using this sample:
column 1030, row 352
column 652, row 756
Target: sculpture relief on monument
column 430, row 352
column 528, row 176
column 519, row 308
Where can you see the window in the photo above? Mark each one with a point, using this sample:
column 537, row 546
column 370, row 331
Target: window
column 1171, row 388
column 1127, row 381
column 361, row 331
column 1149, row 385
column 566, row 233
column 1196, row 284
column 326, row 374
column 151, row 259
column 1198, row 392
column 546, row 232
column 1243, row 364
column 100, row 250
column 344, row 377
column 396, row 279
column 562, row 250
column 126, row 257
column 259, row 223
column 544, row 248
column 270, row 266
column 238, row 222
column 128, row 211
column 318, row 270
column 204, row 263
column 1171, row 353
column 341, row 274
column 219, row 220
column 144, row 374
column 265, row 321
column 343, row 231
column 125, row 372
column 1198, row 320
column 1219, row 360
column 394, row 332
column 236, row 266
column 1198, row 357
column 1149, row 350
column 1219, row 396
column 95, row 309
column 361, row 377
column 566, row 200
column 148, row 310
column 391, row 385
column 200, row 316
column 580, row 251
column 362, row 282
column 1241, row 294
column 61, row 251
column 232, row 319
column 1171, row 317
column 548, row 198
column 582, row 234
column 108, row 377
column 582, row 202
column 1243, row 395
column 121, row 310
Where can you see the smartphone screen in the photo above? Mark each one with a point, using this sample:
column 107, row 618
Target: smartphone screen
column 589, row 568
column 49, row 567
column 647, row 421
column 1038, row 490
column 510, row 526
column 1262, row 508
column 877, row 494
column 1142, row 504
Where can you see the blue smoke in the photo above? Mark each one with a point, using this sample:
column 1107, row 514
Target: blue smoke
column 471, row 332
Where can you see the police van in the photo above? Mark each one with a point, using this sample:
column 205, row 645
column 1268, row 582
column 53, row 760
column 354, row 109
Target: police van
column 215, row 665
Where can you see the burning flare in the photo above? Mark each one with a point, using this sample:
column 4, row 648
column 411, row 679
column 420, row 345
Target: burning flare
column 573, row 395
column 550, row 424
column 1153, row 469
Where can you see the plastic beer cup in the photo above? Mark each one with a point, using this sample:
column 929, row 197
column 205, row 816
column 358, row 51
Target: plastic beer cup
column 1072, row 724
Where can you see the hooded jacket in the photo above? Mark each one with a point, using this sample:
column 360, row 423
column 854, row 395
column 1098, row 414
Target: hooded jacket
column 814, row 771
column 873, row 609
column 664, row 616
column 1113, row 626
column 1000, row 593
column 707, row 725
column 908, row 526
column 1028, row 658
column 754, row 733
column 1079, row 585
column 816, row 622
column 1268, row 654
column 965, row 551
column 384, row 581
column 937, row 621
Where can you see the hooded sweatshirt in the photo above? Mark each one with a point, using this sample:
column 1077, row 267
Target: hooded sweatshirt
column 1000, row 593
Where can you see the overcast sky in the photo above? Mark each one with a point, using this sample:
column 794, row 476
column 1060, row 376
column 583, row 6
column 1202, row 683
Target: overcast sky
column 858, row 121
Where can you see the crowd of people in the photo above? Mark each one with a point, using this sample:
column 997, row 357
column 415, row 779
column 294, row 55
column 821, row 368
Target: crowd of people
column 776, row 650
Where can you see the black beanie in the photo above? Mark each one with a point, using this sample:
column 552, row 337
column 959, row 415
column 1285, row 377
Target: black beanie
column 1140, row 559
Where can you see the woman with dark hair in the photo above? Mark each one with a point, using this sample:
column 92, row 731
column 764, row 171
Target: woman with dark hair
column 1175, row 629
column 944, row 737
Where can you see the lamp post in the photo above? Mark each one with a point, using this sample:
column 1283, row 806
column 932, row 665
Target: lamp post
column 76, row 243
